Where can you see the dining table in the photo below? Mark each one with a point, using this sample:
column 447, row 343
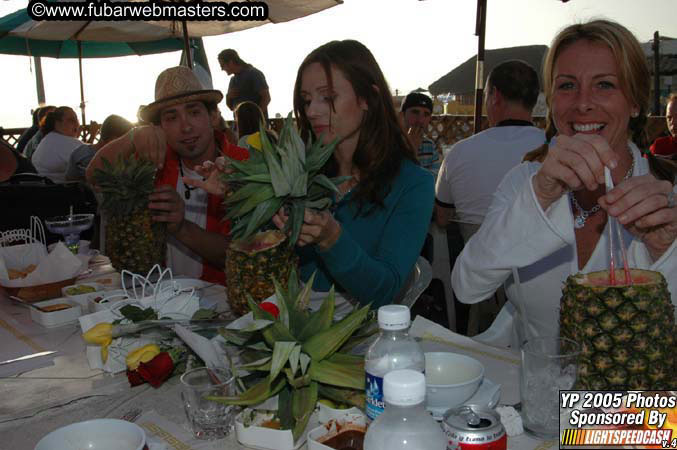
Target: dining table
column 43, row 393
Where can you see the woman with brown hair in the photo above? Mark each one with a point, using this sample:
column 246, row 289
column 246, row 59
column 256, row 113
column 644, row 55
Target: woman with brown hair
column 549, row 219
column 370, row 242
column 61, row 130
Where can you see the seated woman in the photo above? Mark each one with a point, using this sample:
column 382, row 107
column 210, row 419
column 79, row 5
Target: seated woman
column 369, row 244
column 549, row 219
column 248, row 118
column 53, row 153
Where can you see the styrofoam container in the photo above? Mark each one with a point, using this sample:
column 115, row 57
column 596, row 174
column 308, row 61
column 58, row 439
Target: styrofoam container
column 97, row 434
column 267, row 438
column 327, row 413
column 96, row 286
column 110, row 299
column 320, row 432
column 56, row 318
column 83, row 299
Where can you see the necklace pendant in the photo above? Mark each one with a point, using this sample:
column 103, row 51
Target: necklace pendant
column 579, row 222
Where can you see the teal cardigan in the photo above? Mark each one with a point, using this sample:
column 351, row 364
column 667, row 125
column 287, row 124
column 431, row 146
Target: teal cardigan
column 375, row 253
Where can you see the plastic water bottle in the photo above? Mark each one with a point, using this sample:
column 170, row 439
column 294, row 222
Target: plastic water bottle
column 393, row 350
column 405, row 424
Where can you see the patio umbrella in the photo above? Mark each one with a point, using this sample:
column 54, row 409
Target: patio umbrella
column 15, row 40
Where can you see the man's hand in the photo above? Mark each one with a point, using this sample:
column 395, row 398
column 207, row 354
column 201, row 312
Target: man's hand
column 167, row 206
column 150, row 142
column 415, row 135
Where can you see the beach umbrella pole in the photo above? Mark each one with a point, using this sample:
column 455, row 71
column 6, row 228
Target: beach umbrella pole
column 39, row 82
column 82, row 86
column 186, row 43
column 479, row 71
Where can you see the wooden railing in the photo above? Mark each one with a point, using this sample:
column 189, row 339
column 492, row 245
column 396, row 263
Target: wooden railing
column 445, row 130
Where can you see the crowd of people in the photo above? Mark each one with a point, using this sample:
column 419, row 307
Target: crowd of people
column 532, row 201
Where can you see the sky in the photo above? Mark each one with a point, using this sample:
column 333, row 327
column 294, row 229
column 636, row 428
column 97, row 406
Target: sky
column 415, row 42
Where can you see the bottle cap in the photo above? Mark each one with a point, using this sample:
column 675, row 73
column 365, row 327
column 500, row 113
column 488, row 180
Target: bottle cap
column 404, row 387
column 394, row 317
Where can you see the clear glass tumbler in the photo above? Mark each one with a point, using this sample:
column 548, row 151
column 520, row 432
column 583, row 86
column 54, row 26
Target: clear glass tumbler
column 549, row 364
column 208, row 419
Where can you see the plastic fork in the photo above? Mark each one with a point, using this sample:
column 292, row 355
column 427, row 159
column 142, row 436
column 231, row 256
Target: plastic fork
column 614, row 226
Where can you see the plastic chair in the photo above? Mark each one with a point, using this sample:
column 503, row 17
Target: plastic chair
column 418, row 282
column 441, row 270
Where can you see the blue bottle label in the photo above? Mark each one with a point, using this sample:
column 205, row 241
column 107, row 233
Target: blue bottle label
column 374, row 396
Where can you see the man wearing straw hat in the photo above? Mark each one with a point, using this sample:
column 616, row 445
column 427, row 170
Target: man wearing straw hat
column 182, row 136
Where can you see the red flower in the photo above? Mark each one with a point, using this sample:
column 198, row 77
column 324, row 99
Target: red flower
column 271, row 308
column 134, row 378
column 157, row 370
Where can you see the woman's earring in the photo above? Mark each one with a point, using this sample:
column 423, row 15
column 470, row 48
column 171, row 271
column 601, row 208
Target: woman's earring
column 634, row 114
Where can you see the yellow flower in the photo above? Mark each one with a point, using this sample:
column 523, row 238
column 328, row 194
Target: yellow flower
column 254, row 140
column 99, row 334
column 141, row 354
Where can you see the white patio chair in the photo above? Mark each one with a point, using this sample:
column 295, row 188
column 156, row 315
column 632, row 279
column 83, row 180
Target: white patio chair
column 418, row 281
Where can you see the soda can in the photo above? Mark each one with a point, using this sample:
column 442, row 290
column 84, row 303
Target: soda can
column 472, row 427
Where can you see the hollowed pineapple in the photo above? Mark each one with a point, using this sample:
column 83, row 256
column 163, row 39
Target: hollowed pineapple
column 626, row 332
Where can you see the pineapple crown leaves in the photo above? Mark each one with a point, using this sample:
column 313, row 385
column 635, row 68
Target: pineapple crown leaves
column 125, row 184
column 299, row 354
column 286, row 174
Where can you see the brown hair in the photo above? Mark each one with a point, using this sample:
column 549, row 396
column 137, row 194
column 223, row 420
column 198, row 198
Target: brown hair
column 53, row 117
column 382, row 145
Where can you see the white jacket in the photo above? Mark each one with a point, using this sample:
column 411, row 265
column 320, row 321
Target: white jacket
column 517, row 233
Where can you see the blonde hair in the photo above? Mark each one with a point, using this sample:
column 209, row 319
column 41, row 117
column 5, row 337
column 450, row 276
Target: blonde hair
column 633, row 73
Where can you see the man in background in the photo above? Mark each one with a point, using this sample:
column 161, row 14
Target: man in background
column 112, row 128
column 416, row 112
column 247, row 82
column 474, row 167
column 667, row 146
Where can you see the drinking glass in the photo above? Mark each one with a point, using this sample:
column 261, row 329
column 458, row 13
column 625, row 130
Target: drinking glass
column 208, row 419
column 549, row 363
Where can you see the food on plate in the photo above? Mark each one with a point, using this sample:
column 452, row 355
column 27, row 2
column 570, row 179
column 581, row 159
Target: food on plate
column 97, row 299
column 21, row 273
column 283, row 175
column 56, row 307
column 80, row 289
column 133, row 241
column 626, row 332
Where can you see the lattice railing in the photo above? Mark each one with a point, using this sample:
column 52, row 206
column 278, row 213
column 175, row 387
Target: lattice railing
column 445, row 130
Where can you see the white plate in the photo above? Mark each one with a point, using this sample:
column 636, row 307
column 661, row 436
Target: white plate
column 487, row 395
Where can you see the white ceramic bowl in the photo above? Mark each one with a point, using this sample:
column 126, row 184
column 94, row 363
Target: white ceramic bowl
column 108, row 301
column 451, row 379
column 97, row 434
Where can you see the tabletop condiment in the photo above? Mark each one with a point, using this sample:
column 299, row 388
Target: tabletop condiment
column 471, row 427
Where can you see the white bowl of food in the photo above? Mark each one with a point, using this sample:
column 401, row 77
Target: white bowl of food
column 99, row 301
column 97, row 434
column 451, row 379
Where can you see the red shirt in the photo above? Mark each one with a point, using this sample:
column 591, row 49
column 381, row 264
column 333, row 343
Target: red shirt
column 215, row 210
column 665, row 146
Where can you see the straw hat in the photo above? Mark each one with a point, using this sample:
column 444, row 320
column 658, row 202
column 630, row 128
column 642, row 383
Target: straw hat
column 174, row 86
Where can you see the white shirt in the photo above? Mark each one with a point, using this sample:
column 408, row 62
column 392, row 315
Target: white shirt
column 52, row 155
column 183, row 261
column 474, row 167
column 517, row 233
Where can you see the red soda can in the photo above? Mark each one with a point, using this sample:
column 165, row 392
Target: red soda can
column 471, row 427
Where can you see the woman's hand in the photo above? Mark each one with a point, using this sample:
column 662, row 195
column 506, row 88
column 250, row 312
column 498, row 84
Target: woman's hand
column 149, row 142
column 319, row 228
column 641, row 205
column 167, row 206
column 573, row 163
column 211, row 172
